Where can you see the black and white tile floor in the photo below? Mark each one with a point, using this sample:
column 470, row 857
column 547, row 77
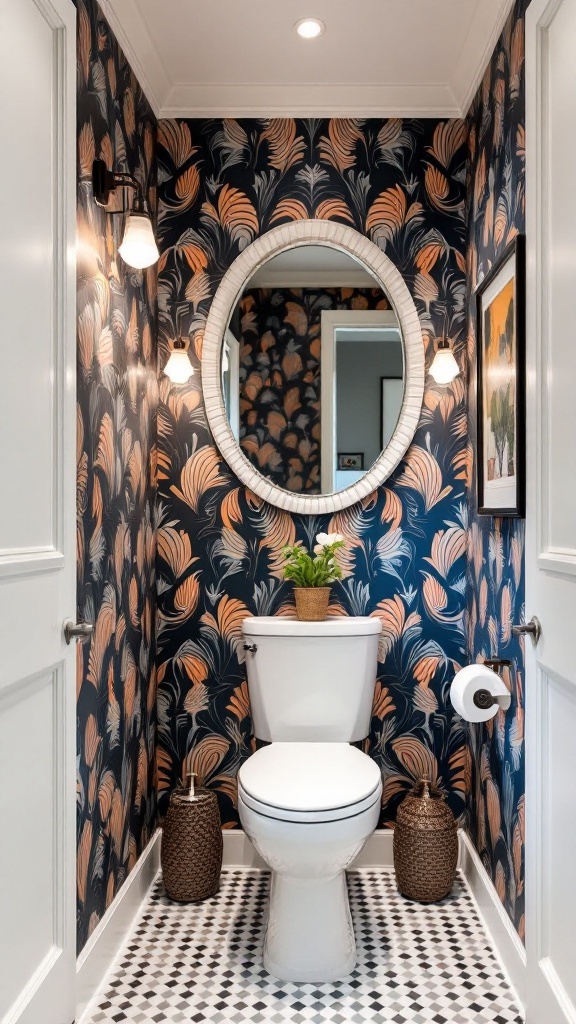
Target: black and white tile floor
column 202, row 963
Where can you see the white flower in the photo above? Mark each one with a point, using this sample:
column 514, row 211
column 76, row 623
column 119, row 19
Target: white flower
column 326, row 539
column 318, row 549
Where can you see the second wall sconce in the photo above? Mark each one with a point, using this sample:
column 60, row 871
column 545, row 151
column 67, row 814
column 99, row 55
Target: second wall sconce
column 138, row 248
column 178, row 368
column 444, row 366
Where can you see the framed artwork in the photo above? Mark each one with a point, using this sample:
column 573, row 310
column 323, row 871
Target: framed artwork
column 500, row 328
column 350, row 460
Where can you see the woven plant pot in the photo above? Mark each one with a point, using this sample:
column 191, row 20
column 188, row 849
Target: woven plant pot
column 311, row 603
column 425, row 845
column 191, row 854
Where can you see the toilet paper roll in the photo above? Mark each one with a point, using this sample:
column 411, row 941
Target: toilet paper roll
column 465, row 684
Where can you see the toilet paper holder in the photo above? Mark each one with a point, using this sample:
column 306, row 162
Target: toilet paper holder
column 483, row 699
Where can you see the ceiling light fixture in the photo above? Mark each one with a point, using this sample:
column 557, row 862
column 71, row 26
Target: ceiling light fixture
column 310, row 28
column 138, row 248
column 444, row 366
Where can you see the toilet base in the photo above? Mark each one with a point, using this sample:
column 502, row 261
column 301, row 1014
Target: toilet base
column 309, row 936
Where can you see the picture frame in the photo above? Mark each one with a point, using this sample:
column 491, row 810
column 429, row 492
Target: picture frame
column 351, row 460
column 501, row 385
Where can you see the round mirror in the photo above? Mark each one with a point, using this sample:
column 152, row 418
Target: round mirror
column 313, row 367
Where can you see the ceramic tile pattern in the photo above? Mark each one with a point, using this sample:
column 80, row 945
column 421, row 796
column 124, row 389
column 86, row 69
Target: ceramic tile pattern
column 418, row 964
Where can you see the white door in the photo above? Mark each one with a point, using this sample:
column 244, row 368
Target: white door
column 37, row 511
column 551, row 511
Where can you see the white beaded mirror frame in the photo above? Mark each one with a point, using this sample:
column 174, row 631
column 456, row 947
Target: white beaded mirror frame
column 348, row 240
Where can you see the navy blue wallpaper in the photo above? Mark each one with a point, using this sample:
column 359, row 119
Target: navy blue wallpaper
column 222, row 183
column 495, row 213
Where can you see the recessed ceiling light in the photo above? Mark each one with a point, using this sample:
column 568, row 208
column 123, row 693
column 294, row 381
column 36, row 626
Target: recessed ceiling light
column 309, row 28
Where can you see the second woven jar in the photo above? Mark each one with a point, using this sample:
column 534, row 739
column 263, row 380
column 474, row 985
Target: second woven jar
column 425, row 845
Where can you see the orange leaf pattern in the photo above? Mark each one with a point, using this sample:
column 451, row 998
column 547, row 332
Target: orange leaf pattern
column 496, row 546
column 117, row 401
column 220, row 185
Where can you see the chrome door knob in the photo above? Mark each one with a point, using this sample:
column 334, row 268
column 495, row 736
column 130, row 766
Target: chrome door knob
column 77, row 631
column 532, row 628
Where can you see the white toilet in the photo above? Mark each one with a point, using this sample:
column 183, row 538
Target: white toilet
column 309, row 801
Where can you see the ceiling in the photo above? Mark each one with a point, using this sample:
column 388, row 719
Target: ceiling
column 242, row 58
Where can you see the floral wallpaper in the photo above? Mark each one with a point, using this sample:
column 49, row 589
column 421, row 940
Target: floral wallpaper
column 280, row 378
column 495, row 593
column 117, row 400
column 219, row 554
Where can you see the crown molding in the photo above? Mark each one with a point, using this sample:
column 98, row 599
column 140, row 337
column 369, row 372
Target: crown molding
column 291, row 99
column 139, row 48
column 215, row 100
column 472, row 64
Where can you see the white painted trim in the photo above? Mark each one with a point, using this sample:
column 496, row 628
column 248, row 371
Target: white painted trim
column 309, row 99
column 501, row 931
column 289, row 99
column 330, row 321
column 140, row 50
column 348, row 240
column 109, row 935
column 471, row 66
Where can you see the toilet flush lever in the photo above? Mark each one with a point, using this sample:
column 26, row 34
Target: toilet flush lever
column 252, row 648
column 533, row 628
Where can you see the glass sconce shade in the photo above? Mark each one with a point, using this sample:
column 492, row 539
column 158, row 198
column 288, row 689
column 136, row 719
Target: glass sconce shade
column 444, row 366
column 179, row 368
column 139, row 249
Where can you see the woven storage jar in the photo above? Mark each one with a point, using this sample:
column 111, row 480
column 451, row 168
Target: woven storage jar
column 192, row 847
column 312, row 603
column 425, row 845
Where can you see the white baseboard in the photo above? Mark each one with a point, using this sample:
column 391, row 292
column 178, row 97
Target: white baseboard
column 110, row 933
column 502, row 932
column 107, row 939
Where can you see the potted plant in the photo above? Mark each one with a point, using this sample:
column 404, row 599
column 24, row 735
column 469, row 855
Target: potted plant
column 313, row 574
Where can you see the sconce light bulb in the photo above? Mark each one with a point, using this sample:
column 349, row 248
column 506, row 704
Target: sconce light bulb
column 139, row 249
column 444, row 366
column 179, row 368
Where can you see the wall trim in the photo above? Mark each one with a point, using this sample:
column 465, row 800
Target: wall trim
column 136, row 42
column 465, row 86
column 110, row 933
column 502, row 932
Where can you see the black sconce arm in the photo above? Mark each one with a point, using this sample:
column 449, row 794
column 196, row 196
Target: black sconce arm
column 104, row 182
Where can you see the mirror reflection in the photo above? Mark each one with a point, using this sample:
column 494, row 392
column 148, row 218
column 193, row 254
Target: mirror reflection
column 313, row 370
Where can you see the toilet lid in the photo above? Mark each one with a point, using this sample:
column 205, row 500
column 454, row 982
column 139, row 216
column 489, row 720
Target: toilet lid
column 299, row 781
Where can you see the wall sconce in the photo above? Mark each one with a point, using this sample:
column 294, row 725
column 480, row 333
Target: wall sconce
column 138, row 248
column 444, row 366
column 179, row 368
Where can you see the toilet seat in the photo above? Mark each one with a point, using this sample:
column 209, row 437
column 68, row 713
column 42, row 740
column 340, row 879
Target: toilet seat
column 309, row 782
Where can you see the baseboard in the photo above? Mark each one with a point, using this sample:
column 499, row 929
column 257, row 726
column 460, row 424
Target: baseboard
column 504, row 936
column 109, row 934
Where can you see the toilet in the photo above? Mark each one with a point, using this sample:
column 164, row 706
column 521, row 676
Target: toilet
column 308, row 801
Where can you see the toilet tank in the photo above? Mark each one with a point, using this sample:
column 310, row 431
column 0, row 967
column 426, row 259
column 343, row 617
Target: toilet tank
column 311, row 680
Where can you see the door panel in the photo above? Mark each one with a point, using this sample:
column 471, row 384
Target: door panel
column 551, row 524
column 37, row 512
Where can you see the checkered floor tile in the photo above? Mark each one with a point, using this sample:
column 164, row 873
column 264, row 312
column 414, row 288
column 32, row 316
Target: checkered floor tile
column 202, row 962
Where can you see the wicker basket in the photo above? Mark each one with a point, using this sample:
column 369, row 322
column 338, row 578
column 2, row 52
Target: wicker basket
column 312, row 603
column 425, row 845
column 192, row 847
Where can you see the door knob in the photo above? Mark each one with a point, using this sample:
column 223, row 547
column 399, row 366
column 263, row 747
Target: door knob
column 77, row 631
column 533, row 628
